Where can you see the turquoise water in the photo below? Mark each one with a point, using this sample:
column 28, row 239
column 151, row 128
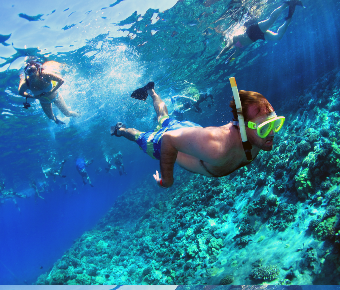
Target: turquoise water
column 107, row 50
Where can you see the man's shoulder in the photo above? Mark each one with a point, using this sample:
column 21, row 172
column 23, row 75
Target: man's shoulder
column 220, row 132
column 228, row 139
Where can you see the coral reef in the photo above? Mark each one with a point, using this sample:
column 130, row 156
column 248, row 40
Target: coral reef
column 274, row 221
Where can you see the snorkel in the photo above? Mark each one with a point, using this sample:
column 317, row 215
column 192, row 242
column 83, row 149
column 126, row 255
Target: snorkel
column 245, row 143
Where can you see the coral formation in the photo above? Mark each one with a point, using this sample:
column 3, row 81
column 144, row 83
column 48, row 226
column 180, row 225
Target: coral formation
column 265, row 273
column 275, row 220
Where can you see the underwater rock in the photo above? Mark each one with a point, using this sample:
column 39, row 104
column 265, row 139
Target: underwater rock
column 304, row 147
column 62, row 265
column 303, row 184
column 265, row 273
column 228, row 279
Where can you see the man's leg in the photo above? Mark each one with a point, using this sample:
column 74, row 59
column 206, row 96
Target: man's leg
column 47, row 108
column 161, row 111
column 89, row 180
column 158, row 104
column 61, row 167
column 60, row 103
column 266, row 24
column 270, row 35
column 128, row 133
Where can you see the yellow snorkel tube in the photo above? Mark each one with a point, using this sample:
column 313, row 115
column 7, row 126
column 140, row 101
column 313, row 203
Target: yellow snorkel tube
column 246, row 144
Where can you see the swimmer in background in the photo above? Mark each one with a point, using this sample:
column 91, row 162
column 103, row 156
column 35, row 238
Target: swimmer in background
column 43, row 85
column 81, row 165
column 74, row 185
column 36, row 190
column 118, row 161
column 54, row 172
column 2, row 185
column 183, row 104
column 259, row 30
column 11, row 194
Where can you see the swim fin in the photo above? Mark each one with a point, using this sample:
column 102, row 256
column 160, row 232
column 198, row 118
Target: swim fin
column 57, row 121
column 141, row 93
column 115, row 129
column 292, row 4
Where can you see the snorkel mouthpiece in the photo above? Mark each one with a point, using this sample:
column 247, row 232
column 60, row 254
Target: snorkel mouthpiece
column 246, row 144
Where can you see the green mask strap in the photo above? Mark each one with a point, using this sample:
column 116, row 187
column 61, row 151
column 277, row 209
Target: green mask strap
column 245, row 143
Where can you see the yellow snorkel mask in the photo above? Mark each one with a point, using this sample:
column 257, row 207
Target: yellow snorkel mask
column 271, row 123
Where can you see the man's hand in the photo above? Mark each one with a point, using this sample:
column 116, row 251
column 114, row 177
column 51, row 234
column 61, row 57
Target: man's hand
column 158, row 179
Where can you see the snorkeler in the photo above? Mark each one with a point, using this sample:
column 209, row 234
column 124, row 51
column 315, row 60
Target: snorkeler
column 81, row 165
column 211, row 151
column 36, row 190
column 74, row 185
column 118, row 161
column 183, row 104
column 43, row 85
column 2, row 185
column 11, row 193
column 54, row 172
column 202, row 98
column 260, row 30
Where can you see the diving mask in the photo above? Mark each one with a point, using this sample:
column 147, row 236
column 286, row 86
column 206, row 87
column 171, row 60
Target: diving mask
column 31, row 69
column 271, row 123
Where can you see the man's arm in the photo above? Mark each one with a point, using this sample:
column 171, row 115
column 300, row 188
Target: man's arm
column 205, row 144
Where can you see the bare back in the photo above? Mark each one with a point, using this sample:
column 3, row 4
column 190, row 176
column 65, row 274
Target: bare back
column 212, row 151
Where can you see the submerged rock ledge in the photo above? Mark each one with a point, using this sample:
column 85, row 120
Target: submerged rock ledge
column 275, row 221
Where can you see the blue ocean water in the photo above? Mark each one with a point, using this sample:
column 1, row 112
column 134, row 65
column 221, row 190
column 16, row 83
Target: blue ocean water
column 105, row 51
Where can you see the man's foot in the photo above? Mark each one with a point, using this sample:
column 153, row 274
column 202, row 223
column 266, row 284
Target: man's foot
column 115, row 129
column 91, row 185
column 142, row 93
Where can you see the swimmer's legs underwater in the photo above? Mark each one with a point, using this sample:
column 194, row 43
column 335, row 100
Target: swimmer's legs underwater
column 60, row 103
column 266, row 24
column 161, row 111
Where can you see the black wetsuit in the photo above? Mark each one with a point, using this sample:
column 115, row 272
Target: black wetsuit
column 254, row 32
